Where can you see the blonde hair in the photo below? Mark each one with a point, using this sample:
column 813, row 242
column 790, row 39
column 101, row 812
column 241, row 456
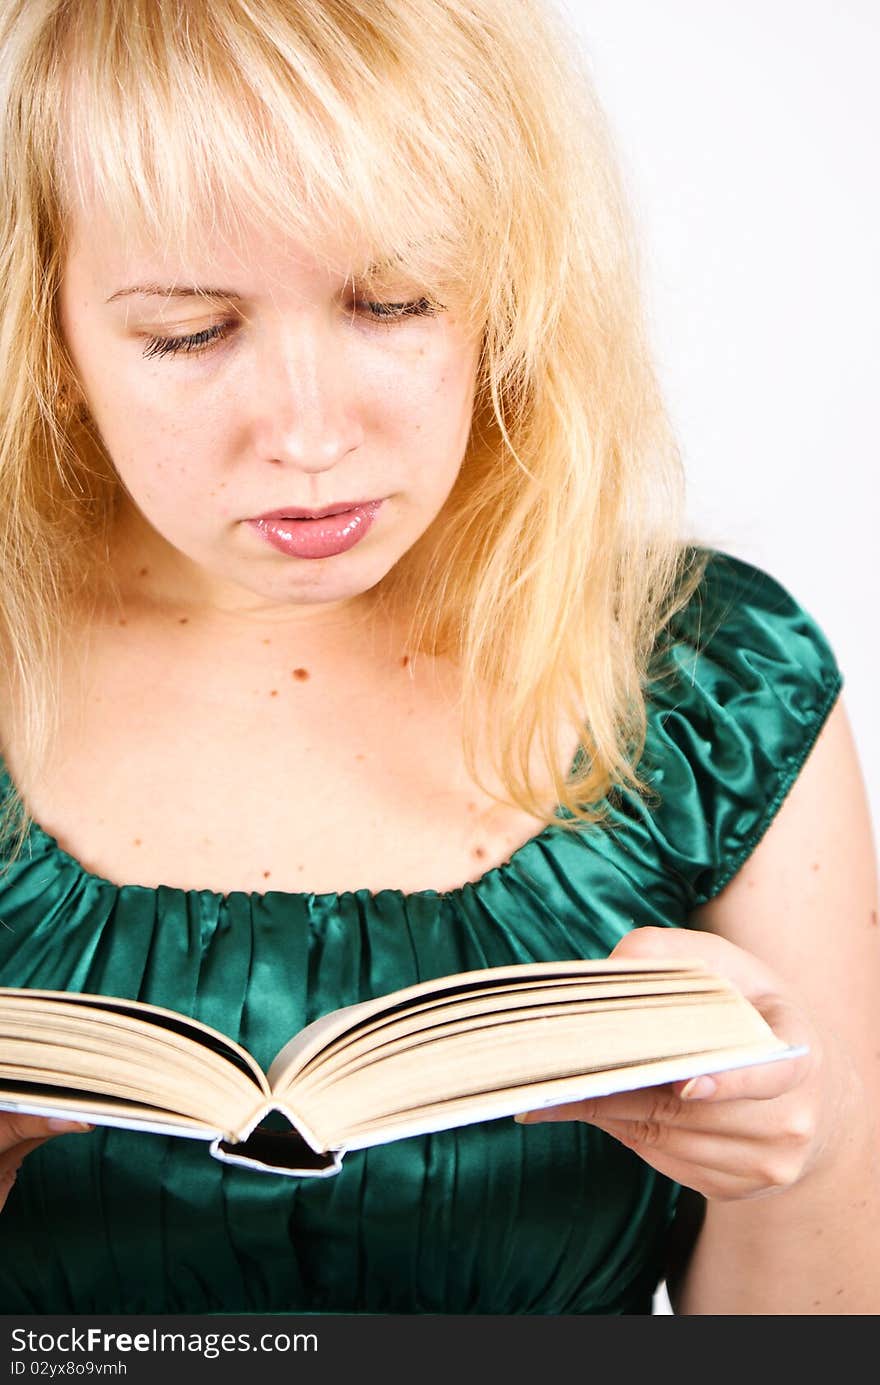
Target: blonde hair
column 460, row 140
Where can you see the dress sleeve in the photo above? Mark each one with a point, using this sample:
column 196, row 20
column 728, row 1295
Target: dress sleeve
column 745, row 682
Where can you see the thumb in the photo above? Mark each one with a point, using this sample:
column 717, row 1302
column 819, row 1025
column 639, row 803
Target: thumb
column 694, row 947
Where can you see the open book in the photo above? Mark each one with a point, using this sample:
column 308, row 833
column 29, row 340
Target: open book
column 464, row 1048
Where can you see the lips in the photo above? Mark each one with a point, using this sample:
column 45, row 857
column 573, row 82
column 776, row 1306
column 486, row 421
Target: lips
column 317, row 533
column 293, row 512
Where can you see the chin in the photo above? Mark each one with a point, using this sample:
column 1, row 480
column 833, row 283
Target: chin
column 321, row 585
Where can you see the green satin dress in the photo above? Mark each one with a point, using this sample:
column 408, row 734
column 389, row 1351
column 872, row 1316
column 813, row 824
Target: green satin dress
column 491, row 1218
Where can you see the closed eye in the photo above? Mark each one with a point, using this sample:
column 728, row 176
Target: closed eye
column 382, row 314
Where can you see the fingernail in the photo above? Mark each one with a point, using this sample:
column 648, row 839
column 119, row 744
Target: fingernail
column 522, row 1118
column 698, row 1087
column 62, row 1126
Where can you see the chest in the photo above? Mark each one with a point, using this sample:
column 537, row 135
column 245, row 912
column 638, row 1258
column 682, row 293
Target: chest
column 311, row 778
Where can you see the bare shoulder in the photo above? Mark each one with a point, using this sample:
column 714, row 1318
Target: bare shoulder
column 806, row 900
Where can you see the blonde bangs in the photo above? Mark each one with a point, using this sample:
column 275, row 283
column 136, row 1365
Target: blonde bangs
column 327, row 122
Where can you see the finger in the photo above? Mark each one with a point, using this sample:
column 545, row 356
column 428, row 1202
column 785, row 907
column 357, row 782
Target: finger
column 760, row 1082
column 747, row 972
column 766, row 1080
column 708, row 1182
column 7, row 1181
column 755, row 1163
column 11, row 1158
column 16, row 1129
column 727, row 1099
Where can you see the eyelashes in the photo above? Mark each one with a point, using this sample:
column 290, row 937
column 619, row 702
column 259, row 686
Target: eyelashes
column 382, row 314
column 196, row 342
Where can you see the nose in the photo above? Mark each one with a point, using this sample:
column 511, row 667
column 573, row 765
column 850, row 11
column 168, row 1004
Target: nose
column 308, row 411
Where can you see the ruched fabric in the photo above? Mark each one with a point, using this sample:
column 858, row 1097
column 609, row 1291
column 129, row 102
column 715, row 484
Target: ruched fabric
column 491, row 1218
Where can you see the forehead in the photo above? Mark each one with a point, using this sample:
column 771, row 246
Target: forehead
column 179, row 221
column 116, row 253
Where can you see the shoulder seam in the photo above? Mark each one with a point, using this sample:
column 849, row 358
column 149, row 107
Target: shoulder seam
column 790, row 772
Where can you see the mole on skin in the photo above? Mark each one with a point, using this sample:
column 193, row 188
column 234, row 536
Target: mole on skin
column 301, row 674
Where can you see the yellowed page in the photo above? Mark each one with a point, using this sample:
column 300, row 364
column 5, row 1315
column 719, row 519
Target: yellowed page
column 532, row 1096
column 120, row 1013
column 391, row 1035
column 300, row 1050
column 480, row 1061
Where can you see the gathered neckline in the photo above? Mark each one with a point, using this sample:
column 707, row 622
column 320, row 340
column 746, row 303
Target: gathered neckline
column 363, row 893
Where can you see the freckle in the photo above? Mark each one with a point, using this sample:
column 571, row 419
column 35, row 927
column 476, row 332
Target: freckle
column 301, row 674
column 815, row 865
column 874, row 918
column 183, row 620
column 299, row 867
column 206, row 841
column 360, row 757
column 479, row 852
column 143, row 572
column 404, row 661
column 137, row 841
column 472, row 807
column 838, row 1293
column 816, row 1302
column 274, row 692
column 123, row 622
column 267, row 641
column 266, row 874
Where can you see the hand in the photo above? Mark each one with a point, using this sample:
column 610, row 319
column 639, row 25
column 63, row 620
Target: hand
column 737, row 1134
column 19, row 1135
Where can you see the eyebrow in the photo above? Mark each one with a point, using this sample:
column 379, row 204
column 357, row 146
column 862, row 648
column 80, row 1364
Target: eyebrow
column 176, row 291
column 171, row 291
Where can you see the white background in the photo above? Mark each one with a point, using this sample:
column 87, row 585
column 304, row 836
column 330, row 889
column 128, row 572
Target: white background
column 748, row 131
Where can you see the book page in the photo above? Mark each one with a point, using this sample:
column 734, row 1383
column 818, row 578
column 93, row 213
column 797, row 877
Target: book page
column 318, row 1035
column 475, row 1062
column 425, row 1120
column 123, row 1115
column 389, row 1033
column 103, row 1009
column 70, row 1042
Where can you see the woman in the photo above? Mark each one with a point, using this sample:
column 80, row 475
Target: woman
column 277, row 261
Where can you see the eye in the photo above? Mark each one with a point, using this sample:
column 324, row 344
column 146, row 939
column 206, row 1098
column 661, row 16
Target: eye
column 392, row 312
column 196, row 342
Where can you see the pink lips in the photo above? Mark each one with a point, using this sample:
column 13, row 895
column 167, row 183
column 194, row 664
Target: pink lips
column 317, row 533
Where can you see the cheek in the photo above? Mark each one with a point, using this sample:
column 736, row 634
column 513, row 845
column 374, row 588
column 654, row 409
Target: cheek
column 438, row 405
column 168, row 475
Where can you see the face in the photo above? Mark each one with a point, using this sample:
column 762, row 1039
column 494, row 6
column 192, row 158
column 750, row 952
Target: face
column 292, row 392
